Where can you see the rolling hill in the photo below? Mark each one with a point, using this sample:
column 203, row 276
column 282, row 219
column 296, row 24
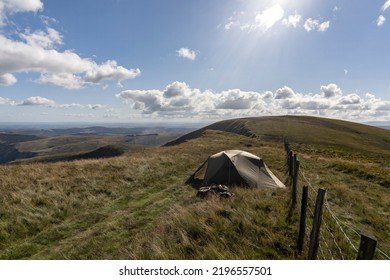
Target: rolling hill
column 50, row 145
column 137, row 205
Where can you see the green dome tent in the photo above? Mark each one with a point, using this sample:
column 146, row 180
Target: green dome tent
column 235, row 167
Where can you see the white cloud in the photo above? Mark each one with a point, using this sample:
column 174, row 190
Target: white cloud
column 292, row 20
column 186, row 53
column 178, row 97
column 380, row 20
column 331, row 90
column 36, row 51
column 65, row 80
column 385, row 106
column 186, row 102
column 284, row 92
column 40, row 38
column 323, row 26
column 71, row 105
column 315, row 25
column 43, row 101
column 145, row 100
column 267, row 18
column 350, row 99
column 110, row 71
column 176, row 89
column 38, row 101
column 66, row 69
column 310, row 24
column 4, row 101
column 385, row 6
column 16, row 6
column 236, row 99
column 7, row 79
column 179, row 100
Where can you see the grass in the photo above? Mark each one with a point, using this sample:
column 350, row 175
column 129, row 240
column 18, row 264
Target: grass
column 249, row 226
column 107, row 209
column 137, row 206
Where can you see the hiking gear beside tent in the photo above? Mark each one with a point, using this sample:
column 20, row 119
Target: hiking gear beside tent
column 235, row 167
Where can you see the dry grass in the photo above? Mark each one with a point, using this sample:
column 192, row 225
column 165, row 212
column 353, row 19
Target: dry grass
column 104, row 209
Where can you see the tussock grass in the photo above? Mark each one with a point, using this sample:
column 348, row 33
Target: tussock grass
column 248, row 226
column 104, row 209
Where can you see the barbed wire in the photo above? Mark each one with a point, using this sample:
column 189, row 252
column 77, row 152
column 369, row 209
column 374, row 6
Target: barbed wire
column 338, row 224
column 327, row 227
column 310, row 200
column 383, row 253
column 340, row 227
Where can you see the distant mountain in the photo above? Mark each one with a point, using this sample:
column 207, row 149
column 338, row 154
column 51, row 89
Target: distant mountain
column 57, row 144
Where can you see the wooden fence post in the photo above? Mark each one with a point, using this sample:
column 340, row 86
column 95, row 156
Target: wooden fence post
column 288, row 156
column 302, row 222
column 291, row 164
column 286, row 146
column 295, row 180
column 315, row 232
column 367, row 248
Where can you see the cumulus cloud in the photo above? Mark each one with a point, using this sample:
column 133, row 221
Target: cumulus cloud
column 179, row 97
column 181, row 101
column 316, row 25
column 110, row 71
column 235, row 99
column 384, row 106
column 7, row 79
column 38, row 101
column 66, row 69
column 186, row 53
column 36, row 51
column 331, row 90
column 176, row 89
column 66, row 80
column 45, row 39
column 284, row 92
column 350, row 99
column 9, row 7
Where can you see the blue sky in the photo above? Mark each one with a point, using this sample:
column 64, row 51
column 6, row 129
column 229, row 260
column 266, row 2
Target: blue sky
column 190, row 61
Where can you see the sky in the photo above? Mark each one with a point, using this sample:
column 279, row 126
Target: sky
column 139, row 61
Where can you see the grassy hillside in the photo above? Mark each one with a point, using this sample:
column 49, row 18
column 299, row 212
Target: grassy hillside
column 137, row 205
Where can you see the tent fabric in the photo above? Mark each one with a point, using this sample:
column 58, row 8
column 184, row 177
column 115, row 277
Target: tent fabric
column 235, row 167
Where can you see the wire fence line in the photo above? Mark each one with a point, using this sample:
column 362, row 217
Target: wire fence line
column 332, row 233
column 336, row 241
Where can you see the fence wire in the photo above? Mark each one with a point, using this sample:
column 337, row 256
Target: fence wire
column 335, row 238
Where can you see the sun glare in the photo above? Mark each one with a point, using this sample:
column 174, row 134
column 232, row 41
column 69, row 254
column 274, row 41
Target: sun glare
column 270, row 16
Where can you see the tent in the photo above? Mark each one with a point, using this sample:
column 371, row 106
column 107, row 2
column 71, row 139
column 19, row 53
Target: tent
column 235, row 167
